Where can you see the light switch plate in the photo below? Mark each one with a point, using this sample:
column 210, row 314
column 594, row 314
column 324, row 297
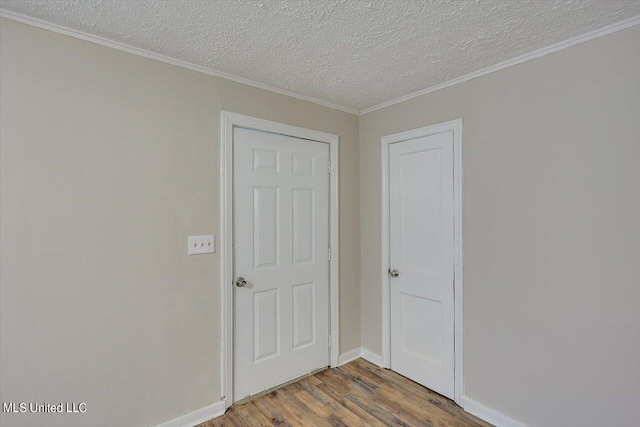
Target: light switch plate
column 202, row 244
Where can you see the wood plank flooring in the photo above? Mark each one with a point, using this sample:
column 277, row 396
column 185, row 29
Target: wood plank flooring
column 356, row 394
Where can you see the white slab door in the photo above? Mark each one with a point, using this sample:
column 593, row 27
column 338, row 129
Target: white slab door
column 281, row 240
column 421, row 249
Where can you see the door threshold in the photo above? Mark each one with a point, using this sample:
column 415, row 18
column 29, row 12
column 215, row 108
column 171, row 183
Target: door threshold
column 277, row 387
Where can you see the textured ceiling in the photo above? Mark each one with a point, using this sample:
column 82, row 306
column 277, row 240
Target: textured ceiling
column 351, row 53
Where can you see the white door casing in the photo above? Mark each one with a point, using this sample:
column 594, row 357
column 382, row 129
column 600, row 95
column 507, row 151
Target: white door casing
column 281, row 239
column 422, row 306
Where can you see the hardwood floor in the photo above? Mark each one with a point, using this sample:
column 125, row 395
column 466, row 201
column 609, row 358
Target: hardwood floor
column 356, row 394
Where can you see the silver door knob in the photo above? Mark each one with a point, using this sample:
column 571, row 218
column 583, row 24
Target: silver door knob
column 394, row 273
column 241, row 282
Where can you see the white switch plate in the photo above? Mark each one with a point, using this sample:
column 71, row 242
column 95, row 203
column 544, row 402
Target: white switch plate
column 202, row 245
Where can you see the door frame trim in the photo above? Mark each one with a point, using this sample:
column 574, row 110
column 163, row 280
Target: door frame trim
column 228, row 121
column 456, row 127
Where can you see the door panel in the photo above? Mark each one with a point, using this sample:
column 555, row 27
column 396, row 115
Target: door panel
column 303, row 225
column 421, row 249
column 303, row 314
column 281, row 236
column 265, row 226
column 266, row 315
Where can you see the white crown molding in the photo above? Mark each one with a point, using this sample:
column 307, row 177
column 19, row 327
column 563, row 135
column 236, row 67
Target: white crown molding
column 35, row 22
column 627, row 23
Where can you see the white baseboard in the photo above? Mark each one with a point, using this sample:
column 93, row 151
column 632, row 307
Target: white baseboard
column 349, row 356
column 476, row 408
column 489, row 415
column 197, row 417
column 473, row 407
column 371, row 357
column 360, row 352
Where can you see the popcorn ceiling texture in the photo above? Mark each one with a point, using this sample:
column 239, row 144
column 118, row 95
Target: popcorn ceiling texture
column 354, row 54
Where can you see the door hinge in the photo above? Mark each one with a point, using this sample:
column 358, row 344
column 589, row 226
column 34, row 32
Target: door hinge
column 329, row 341
column 329, row 254
column 329, row 167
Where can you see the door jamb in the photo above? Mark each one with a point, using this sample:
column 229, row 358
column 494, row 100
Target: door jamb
column 456, row 127
column 228, row 121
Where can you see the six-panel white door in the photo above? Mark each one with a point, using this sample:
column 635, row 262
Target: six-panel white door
column 281, row 240
column 421, row 249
